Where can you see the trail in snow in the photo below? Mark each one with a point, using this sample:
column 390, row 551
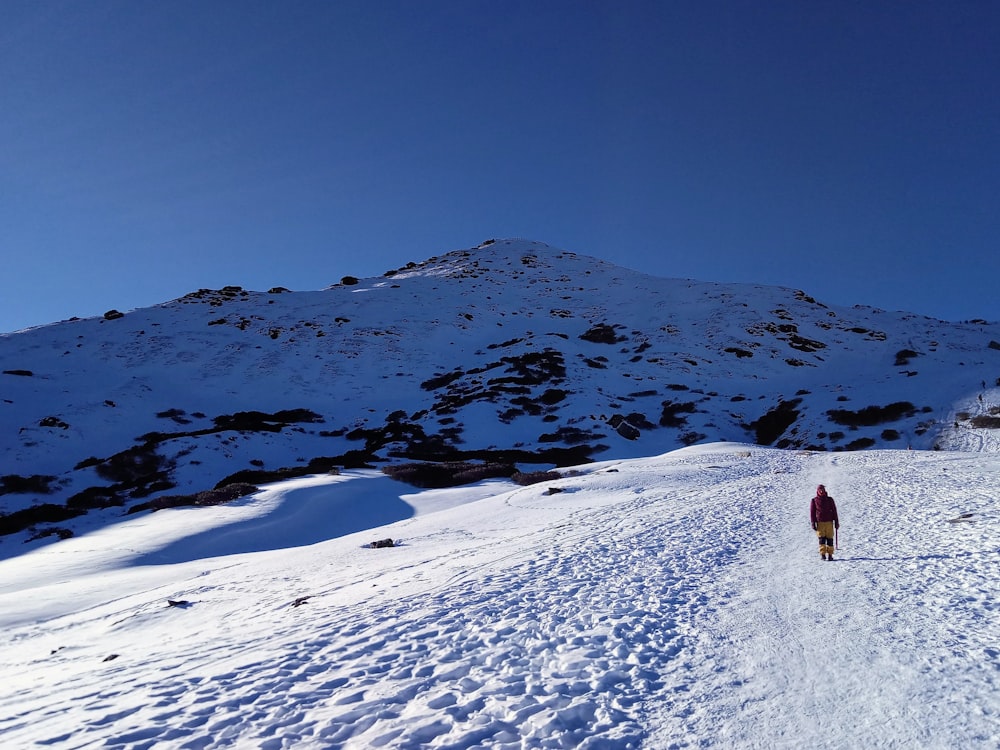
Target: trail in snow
column 891, row 645
column 673, row 602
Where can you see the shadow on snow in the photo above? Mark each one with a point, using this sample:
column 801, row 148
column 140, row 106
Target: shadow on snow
column 305, row 515
column 901, row 558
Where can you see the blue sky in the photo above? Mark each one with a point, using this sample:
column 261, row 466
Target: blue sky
column 149, row 149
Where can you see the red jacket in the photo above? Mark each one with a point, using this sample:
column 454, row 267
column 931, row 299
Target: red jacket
column 823, row 508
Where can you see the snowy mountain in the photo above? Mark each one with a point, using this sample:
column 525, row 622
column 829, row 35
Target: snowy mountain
column 661, row 588
column 512, row 352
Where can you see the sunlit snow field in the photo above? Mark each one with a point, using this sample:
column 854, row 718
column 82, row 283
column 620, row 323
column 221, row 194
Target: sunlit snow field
column 670, row 602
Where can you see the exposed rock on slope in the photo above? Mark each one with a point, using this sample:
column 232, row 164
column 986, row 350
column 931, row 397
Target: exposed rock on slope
column 512, row 350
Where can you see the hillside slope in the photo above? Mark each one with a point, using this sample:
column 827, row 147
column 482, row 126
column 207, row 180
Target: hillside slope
column 669, row 602
column 512, row 351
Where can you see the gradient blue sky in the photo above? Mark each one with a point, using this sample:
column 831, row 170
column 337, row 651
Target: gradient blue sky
column 147, row 149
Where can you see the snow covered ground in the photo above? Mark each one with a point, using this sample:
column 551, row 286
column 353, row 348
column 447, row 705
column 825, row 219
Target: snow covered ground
column 668, row 602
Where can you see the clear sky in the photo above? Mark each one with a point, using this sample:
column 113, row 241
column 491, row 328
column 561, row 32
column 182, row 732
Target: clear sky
column 147, row 149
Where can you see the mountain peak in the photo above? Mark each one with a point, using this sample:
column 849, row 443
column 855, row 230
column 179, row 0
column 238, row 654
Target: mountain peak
column 503, row 256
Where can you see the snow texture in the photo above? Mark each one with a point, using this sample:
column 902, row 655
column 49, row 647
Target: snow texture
column 669, row 602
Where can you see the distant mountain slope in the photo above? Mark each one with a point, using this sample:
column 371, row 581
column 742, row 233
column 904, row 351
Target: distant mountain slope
column 512, row 350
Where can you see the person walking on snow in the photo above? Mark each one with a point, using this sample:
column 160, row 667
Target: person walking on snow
column 823, row 514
